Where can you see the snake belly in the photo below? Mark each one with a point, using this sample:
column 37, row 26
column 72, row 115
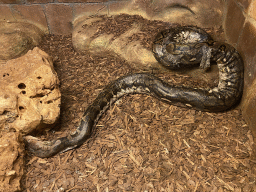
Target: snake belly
column 174, row 48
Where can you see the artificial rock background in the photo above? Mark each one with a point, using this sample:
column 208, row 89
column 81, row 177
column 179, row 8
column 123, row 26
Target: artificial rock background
column 17, row 38
column 29, row 99
column 30, row 96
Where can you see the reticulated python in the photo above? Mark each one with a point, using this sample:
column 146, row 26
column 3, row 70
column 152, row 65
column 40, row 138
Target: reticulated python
column 174, row 48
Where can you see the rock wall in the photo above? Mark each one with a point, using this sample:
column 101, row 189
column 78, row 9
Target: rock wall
column 11, row 161
column 30, row 96
column 29, row 99
column 57, row 17
column 17, row 38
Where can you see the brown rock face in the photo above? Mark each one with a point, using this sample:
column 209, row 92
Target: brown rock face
column 29, row 99
column 85, row 38
column 11, row 161
column 249, row 107
column 17, row 38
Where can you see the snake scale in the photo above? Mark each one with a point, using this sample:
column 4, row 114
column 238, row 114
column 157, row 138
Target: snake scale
column 174, row 48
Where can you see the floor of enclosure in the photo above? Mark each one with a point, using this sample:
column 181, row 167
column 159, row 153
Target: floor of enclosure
column 140, row 143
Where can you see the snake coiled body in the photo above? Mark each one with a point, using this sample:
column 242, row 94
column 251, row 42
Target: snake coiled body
column 174, row 48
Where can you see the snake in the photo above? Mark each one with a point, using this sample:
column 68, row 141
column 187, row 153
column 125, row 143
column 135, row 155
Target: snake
column 174, row 48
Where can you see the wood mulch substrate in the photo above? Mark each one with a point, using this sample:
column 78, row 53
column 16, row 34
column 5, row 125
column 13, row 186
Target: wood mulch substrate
column 140, row 144
column 119, row 24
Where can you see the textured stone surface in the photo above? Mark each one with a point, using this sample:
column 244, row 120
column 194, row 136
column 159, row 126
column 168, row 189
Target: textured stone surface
column 29, row 100
column 17, row 38
column 82, row 1
column 246, row 46
column 32, row 13
column 29, row 96
column 249, row 107
column 202, row 13
column 6, row 13
column 133, row 51
column 252, row 9
column 11, row 1
column 233, row 23
column 40, row 1
column 81, row 11
column 11, row 161
column 59, row 18
column 245, row 3
column 59, row 15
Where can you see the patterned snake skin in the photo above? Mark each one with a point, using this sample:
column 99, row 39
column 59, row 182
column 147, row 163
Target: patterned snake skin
column 174, row 48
